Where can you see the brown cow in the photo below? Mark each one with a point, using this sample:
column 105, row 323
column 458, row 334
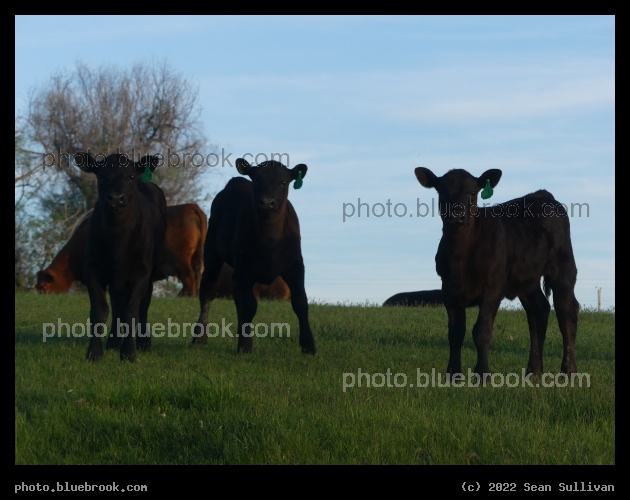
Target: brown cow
column 182, row 255
column 183, row 249
column 67, row 266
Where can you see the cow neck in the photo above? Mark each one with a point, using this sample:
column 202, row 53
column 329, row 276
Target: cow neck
column 62, row 281
column 121, row 218
column 460, row 239
column 271, row 229
column 65, row 280
column 61, row 270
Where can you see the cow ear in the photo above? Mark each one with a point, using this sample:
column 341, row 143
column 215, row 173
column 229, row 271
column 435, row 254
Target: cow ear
column 84, row 161
column 492, row 176
column 243, row 167
column 148, row 160
column 298, row 169
column 425, row 177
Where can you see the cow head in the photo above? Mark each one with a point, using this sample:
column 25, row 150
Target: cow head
column 457, row 192
column 117, row 176
column 271, row 180
column 45, row 282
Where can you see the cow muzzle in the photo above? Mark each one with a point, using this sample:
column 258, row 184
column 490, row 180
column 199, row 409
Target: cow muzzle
column 267, row 204
column 455, row 214
column 116, row 202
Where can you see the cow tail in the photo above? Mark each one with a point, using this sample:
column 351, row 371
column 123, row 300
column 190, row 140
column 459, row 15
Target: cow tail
column 547, row 286
column 198, row 255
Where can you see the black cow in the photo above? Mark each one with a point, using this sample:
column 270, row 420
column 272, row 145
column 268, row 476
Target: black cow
column 503, row 251
column 416, row 299
column 123, row 249
column 254, row 228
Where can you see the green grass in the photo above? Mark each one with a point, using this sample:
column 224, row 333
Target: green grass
column 201, row 405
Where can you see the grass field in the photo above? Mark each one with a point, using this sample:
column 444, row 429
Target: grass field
column 375, row 393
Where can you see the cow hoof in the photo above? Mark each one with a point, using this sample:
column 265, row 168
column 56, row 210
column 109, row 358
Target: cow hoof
column 131, row 357
column 144, row 346
column 199, row 340
column 94, row 351
column 309, row 350
column 479, row 379
column 94, row 356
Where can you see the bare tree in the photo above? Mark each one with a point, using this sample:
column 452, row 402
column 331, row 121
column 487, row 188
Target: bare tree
column 34, row 241
column 147, row 109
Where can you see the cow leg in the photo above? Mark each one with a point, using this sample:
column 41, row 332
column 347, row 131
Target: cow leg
column 537, row 309
column 117, row 329
column 143, row 335
column 456, row 333
column 125, row 308
column 207, row 293
column 128, row 346
column 186, row 275
column 121, row 336
column 99, row 311
column 567, row 307
column 295, row 281
column 482, row 335
column 246, row 306
column 198, row 270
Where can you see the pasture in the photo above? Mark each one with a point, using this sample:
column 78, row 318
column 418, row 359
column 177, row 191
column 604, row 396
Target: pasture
column 183, row 404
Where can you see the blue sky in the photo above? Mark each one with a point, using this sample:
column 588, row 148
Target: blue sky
column 363, row 101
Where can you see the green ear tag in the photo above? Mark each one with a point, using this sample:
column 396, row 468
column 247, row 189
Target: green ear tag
column 487, row 191
column 147, row 175
column 298, row 182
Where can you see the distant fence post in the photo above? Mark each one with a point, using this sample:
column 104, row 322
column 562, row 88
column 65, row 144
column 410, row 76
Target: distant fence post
column 599, row 299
